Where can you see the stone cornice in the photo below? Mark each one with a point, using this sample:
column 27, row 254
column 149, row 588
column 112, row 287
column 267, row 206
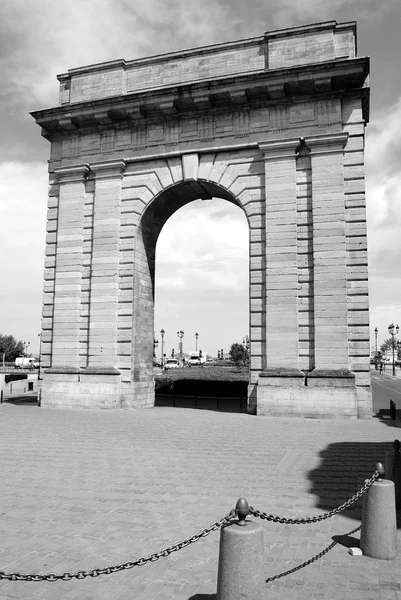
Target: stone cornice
column 285, row 148
column 108, row 169
column 337, row 77
column 72, row 173
column 327, row 143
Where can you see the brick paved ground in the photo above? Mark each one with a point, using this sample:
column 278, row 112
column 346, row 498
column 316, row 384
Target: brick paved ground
column 82, row 489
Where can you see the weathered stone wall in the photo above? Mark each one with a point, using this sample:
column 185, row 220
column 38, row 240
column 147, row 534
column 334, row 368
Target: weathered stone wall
column 285, row 146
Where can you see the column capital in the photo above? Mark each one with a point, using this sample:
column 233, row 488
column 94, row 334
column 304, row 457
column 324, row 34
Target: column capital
column 108, row 169
column 72, row 173
column 327, row 142
column 284, row 148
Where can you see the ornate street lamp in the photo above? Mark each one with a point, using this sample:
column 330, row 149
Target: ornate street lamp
column 376, row 332
column 162, row 332
column 196, row 341
column 180, row 335
column 393, row 331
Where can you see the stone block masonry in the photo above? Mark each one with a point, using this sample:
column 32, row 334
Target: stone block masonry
column 274, row 124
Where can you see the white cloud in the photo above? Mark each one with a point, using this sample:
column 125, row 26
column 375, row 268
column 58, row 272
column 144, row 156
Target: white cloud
column 202, row 274
column 23, row 202
column 383, row 192
column 204, row 245
column 383, row 187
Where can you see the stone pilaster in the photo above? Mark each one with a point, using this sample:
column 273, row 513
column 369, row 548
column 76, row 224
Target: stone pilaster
column 68, row 273
column 103, row 299
column 281, row 258
column 329, row 252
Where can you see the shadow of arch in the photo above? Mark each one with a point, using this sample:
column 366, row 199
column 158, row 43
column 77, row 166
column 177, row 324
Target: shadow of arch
column 24, row 399
column 343, row 469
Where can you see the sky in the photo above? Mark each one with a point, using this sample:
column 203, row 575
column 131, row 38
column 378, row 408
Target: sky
column 202, row 252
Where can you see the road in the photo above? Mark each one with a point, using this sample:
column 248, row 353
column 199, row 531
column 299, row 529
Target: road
column 385, row 387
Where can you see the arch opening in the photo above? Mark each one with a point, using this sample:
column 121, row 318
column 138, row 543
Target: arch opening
column 181, row 206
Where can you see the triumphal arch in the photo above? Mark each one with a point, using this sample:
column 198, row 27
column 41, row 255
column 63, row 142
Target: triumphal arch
column 274, row 124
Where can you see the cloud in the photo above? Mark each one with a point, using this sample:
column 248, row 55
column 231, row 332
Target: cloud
column 383, row 191
column 41, row 38
column 206, row 245
column 23, row 203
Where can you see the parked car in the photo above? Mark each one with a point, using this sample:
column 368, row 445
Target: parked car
column 172, row 363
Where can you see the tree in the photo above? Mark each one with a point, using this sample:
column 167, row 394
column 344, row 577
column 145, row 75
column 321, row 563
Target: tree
column 10, row 347
column 239, row 354
column 388, row 345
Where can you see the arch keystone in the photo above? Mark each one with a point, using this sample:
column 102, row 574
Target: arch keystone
column 190, row 167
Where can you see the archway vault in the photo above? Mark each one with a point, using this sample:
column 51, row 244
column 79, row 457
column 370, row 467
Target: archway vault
column 278, row 132
column 242, row 173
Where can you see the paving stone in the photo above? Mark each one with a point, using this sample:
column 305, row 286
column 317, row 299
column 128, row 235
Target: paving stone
column 84, row 489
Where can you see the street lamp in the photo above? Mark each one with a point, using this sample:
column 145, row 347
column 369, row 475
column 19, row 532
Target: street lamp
column 180, row 335
column 162, row 332
column 40, row 352
column 26, row 346
column 393, row 331
column 376, row 332
column 196, row 341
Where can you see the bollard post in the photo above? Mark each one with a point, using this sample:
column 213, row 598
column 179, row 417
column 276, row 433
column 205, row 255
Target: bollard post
column 379, row 524
column 393, row 470
column 241, row 559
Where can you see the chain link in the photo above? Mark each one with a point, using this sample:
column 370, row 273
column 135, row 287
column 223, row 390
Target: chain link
column 396, row 445
column 311, row 560
column 304, row 520
column 139, row 562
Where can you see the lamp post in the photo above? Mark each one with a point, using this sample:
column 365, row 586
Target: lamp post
column 196, row 341
column 40, row 352
column 376, row 332
column 162, row 332
column 393, row 331
column 180, row 335
column 26, row 346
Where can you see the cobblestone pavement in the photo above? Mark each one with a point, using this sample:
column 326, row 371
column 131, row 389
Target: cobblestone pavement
column 83, row 489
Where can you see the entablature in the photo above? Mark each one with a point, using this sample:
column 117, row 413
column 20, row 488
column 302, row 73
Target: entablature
column 287, row 85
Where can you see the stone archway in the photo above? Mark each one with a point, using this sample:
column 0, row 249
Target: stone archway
column 151, row 222
column 274, row 124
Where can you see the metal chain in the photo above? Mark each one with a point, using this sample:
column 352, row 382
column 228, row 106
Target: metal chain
column 396, row 445
column 139, row 562
column 302, row 521
column 311, row 560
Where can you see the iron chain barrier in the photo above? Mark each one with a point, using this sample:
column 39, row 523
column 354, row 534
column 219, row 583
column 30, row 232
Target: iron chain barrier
column 139, row 562
column 331, row 513
column 313, row 559
column 241, row 511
